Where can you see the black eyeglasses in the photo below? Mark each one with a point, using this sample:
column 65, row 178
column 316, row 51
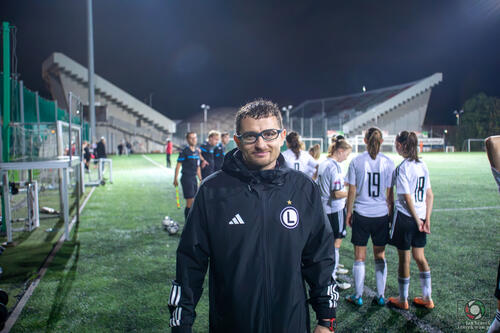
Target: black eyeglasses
column 267, row 135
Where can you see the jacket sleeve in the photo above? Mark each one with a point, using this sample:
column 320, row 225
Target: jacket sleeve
column 318, row 262
column 192, row 262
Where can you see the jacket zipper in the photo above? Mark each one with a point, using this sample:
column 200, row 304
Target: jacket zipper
column 266, row 270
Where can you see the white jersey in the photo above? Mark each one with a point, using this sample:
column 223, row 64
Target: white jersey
column 303, row 163
column 372, row 178
column 310, row 171
column 412, row 177
column 330, row 178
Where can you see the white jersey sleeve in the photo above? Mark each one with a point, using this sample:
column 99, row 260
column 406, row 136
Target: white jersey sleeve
column 351, row 174
column 311, row 162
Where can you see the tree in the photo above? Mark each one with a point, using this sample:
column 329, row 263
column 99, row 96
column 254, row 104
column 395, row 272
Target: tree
column 481, row 118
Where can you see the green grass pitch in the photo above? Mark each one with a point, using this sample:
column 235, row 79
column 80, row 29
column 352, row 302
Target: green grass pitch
column 114, row 275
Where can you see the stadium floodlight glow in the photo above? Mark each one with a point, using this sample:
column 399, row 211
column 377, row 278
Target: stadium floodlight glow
column 287, row 109
column 205, row 108
column 457, row 114
column 364, row 89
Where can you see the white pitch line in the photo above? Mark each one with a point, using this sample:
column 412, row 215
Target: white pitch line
column 463, row 209
column 22, row 302
column 156, row 163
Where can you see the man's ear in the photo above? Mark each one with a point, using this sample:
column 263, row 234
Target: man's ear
column 236, row 140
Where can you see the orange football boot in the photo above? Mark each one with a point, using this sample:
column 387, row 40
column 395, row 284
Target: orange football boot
column 425, row 303
column 395, row 302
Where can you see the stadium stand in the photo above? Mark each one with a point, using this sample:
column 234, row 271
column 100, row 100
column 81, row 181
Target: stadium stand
column 392, row 108
column 119, row 116
column 220, row 119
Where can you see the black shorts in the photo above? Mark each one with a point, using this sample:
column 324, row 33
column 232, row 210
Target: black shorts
column 337, row 221
column 497, row 289
column 189, row 186
column 363, row 227
column 405, row 233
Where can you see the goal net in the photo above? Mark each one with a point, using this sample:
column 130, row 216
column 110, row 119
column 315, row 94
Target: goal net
column 473, row 145
column 35, row 194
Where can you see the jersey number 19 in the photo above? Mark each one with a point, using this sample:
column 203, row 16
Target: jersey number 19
column 373, row 184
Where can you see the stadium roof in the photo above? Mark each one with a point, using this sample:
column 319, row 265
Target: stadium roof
column 108, row 90
column 387, row 98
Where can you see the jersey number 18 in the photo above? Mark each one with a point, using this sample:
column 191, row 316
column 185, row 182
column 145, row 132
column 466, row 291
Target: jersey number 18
column 373, row 184
column 419, row 189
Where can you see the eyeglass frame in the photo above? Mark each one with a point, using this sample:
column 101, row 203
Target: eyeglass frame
column 257, row 135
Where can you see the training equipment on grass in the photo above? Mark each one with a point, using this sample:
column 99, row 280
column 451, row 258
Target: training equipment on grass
column 170, row 225
column 177, row 197
column 173, row 228
column 166, row 221
column 48, row 210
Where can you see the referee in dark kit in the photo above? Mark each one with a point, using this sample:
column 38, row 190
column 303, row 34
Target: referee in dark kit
column 189, row 158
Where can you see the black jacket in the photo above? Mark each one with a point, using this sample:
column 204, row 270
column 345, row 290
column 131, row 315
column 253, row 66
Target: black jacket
column 101, row 150
column 262, row 233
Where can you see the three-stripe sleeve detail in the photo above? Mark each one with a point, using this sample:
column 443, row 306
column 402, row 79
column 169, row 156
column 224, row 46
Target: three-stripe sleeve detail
column 175, row 296
column 176, row 317
column 334, row 296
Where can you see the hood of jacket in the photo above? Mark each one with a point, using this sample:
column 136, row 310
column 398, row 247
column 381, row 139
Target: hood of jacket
column 233, row 164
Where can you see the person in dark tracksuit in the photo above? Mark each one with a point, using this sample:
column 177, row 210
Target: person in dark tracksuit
column 207, row 153
column 219, row 151
column 189, row 159
column 261, row 229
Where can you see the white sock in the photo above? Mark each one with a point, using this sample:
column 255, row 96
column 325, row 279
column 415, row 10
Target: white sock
column 404, row 284
column 380, row 275
column 425, row 283
column 495, row 324
column 334, row 274
column 358, row 271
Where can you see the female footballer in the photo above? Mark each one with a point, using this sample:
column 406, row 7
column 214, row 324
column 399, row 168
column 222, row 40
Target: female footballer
column 369, row 202
column 333, row 195
column 412, row 220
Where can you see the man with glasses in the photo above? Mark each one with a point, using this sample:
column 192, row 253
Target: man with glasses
column 261, row 228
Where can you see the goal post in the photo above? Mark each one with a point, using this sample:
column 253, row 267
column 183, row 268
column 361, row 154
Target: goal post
column 473, row 145
column 309, row 142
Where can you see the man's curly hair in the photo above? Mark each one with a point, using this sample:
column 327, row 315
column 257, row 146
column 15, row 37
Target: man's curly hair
column 257, row 109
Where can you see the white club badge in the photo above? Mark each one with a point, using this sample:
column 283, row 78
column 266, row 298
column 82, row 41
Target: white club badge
column 289, row 217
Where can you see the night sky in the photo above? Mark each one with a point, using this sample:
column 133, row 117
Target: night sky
column 225, row 53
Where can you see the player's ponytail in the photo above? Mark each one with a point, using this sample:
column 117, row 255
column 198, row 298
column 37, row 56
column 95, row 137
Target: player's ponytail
column 374, row 140
column 338, row 142
column 409, row 145
column 315, row 151
column 293, row 143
